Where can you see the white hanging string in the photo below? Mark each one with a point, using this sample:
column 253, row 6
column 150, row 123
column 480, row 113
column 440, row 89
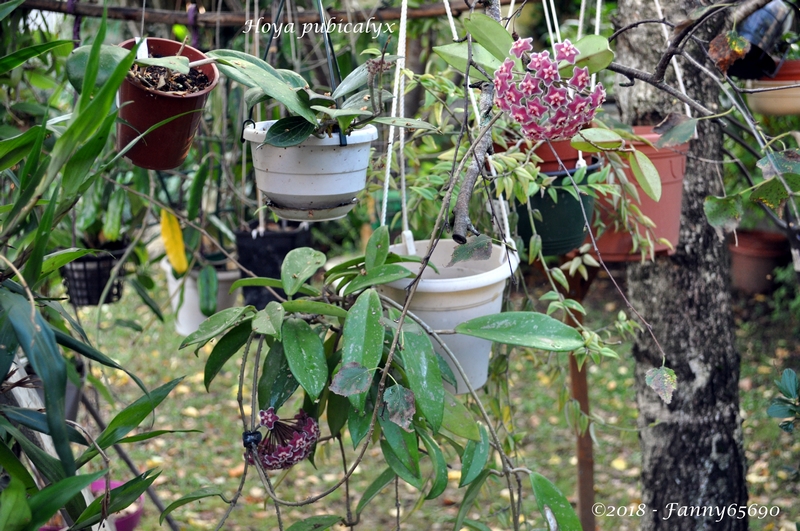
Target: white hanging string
column 450, row 19
column 674, row 60
column 555, row 20
column 511, row 8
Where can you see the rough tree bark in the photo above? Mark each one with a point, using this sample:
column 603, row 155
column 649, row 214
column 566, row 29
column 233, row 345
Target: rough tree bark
column 692, row 449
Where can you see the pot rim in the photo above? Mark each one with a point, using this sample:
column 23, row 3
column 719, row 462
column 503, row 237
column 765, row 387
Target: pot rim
column 258, row 133
column 128, row 44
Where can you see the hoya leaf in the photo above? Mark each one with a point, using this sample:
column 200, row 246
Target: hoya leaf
column 594, row 53
column 306, row 356
column 217, row 324
column 663, row 381
column 399, row 403
column 552, row 501
column 379, row 275
column 439, row 483
column 177, row 63
column 351, row 379
column 206, row 492
column 381, row 482
column 405, row 123
column 377, row 248
column 269, row 320
column 479, row 248
column 456, row 56
column 315, row 523
column 398, row 467
column 298, row 266
column 424, row 374
column 527, row 329
column 207, row 287
column 458, row 420
column 469, row 499
column 676, row 129
column 224, row 350
column 490, row 34
column 362, row 338
column 646, row 174
column 288, row 132
column 595, row 140
column 277, row 383
column 474, row 458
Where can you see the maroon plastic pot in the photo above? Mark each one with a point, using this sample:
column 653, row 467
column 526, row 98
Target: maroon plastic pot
column 141, row 108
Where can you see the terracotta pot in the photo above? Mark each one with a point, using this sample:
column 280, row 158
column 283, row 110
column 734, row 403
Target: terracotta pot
column 777, row 102
column 754, row 259
column 666, row 213
column 565, row 152
column 167, row 146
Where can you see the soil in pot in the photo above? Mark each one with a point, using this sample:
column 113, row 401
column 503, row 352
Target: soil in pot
column 167, row 146
column 617, row 246
column 755, row 258
column 263, row 254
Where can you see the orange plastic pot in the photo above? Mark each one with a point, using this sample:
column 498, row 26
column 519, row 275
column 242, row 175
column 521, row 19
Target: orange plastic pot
column 565, row 152
column 167, row 146
column 755, row 257
column 665, row 213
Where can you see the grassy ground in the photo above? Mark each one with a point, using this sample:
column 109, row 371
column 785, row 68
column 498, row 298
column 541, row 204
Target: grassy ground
column 212, row 457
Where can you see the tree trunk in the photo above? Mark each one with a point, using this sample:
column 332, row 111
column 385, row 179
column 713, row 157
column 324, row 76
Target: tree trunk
column 692, row 452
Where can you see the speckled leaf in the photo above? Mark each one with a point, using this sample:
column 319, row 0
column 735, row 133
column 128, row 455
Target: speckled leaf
column 298, row 266
column 399, row 403
column 277, row 383
column 474, row 458
column 315, row 523
column 351, row 379
column 424, row 376
column 378, row 275
column 663, row 381
column 526, row 329
column 269, row 320
column 439, row 482
column 306, row 356
column 773, row 193
column 216, row 324
column 773, row 164
column 552, row 501
column 225, row 348
column 362, row 339
column 458, row 420
column 479, row 248
column 403, row 443
column 377, row 248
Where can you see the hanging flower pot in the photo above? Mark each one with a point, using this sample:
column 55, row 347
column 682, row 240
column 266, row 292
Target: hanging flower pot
column 763, row 30
column 86, row 277
column 187, row 304
column 617, row 246
column 263, row 254
column 564, row 151
column 458, row 293
column 755, row 257
column 777, row 102
column 562, row 227
column 141, row 107
column 318, row 179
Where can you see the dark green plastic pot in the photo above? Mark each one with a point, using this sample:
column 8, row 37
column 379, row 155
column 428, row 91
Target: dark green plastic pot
column 562, row 227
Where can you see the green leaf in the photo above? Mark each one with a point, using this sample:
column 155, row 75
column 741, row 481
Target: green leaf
column 254, row 72
column 6, row 8
column 595, row 53
column 362, row 338
column 724, row 212
column 14, row 149
column 11, row 61
column 379, row 275
column 403, row 444
column 456, row 56
column 550, row 499
column 177, row 63
column 314, row 308
column 288, row 132
column 119, row 498
column 374, row 488
column 194, row 202
column 298, row 266
column 14, row 511
column 129, row 419
column 338, row 410
column 315, row 523
column 527, row 329
column 439, row 483
column 474, row 458
column 270, row 320
column 306, row 356
column 377, row 248
column 48, row 501
column 490, row 34
column 479, row 248
column 56, row 260
column 33, row 267
column 112, row 220
column 789, row 385
column 424, row 376
column 277, row 383
column 773, row 193
column 14, row 467
column 38, row 342
column 774, row 164
column 595, row 140
column 646, row 174
column 458, row 420
column 781, row 410
column 77, row 167
column 305, row 289
column 108, row 59
column 352, row 379
column 469, row 499
column 354, row 80
column 399, row 405
column 398, row 467
column 405, row 123
column 225, row 348
column 663, row 381
column 217, row 324
column 675, row 130
column 146, row 298
column 207, row 287
column 37, row 421
column 207, row 492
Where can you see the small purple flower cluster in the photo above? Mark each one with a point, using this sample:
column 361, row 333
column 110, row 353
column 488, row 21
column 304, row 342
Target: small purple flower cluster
column 287, row 442
column 547, row 107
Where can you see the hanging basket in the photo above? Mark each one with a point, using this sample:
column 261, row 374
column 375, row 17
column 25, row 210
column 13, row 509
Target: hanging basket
column 777, row 102
column 187, row 305
column 317, row 180
column 167, row 146
column 763, row 30
column 562, row 227
column 86, row 278
column 263, row 254
column 458, row 293
column 666, row 214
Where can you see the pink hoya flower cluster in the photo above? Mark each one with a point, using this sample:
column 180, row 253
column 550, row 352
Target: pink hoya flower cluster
column 547, row 107
column 287, row 442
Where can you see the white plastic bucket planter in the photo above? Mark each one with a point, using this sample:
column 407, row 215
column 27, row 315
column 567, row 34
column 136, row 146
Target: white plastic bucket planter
column 317, row 180
column 189, row 316
column 458, row 293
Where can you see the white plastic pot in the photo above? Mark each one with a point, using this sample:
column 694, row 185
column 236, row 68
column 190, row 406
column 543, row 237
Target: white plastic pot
column 189, row 316
column 458, row 293
column 317, row 180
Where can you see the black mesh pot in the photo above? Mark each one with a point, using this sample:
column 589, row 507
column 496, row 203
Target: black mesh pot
column 86, row 278
column 264, row 254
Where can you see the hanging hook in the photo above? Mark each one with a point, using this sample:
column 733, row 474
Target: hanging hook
column 244, row 126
